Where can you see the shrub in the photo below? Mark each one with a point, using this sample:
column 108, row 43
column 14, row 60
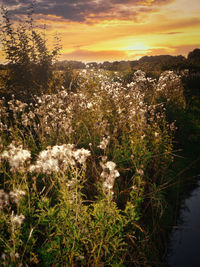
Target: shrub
column 29, row 62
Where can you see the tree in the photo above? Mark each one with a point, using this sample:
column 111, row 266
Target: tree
column 194, row 59
column 29, row 62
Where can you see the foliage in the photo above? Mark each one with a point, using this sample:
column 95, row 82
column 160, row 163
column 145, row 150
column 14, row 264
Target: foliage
column 194, row 59
column 77, row 177
column 29, row 62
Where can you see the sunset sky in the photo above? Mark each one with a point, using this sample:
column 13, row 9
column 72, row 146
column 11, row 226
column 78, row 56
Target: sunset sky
column 99, row 30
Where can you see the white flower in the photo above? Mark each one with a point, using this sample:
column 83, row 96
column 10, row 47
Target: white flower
column 17, row 220
column 110, row 165
column 3, row 256
column 109, row 174
column 107, row 185
column 156, row 134
column 140, row 172
column 16, row 156
column 104, row 175
column 104, row 158
column 16, row 195
column 59, row 158
column 104, row 142
column 115, row 174
column 89, row 105
column 81, row 155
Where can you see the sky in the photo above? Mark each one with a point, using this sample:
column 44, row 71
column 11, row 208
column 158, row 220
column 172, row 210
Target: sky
column 109, row 30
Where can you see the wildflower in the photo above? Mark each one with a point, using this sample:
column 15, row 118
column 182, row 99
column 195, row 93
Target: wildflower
column 110, row 165
column 134, row 187
column 3, row 256
column 59, row 158
column 156, row 134
column 104, row 142
column 89, row 105
column 16, row 156
column 45, row 165
column 81, row 155
column 17, row 220
column 109, row 174
column 16, row 195
column 104, row 158
column 71, row 183
column 140, row 172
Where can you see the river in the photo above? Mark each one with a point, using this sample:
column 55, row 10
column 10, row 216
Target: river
column 184, row 244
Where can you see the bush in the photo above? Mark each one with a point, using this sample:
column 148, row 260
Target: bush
column 29, row 62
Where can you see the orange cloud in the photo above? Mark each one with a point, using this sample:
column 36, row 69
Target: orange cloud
column 184, row 49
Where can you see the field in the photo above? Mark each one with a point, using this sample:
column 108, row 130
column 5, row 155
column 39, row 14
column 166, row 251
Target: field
column 82, row 169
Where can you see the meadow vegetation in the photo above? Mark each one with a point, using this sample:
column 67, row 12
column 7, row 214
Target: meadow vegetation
column 85, row 159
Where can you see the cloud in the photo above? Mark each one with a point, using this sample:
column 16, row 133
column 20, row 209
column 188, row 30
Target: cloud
column 9, row 2
column 171, row 26
column 89, row 10
column 172, row 50
column 184, row 49
column 171, row 33
column 159, row 51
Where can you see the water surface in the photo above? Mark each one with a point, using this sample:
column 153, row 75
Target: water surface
column 184, row 245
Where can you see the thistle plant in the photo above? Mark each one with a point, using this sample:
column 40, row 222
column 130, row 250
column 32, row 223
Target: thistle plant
column 79, row 167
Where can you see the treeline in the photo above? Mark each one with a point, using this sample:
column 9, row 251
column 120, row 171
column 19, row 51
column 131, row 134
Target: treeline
column 146, row 63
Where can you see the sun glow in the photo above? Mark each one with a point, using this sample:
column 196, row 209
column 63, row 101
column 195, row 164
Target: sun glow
column 138, row 47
